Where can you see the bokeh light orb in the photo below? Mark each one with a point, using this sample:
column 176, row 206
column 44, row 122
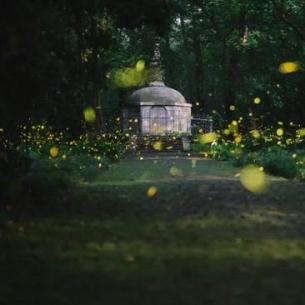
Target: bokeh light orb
column 254, row 179
column 289, row 67
column 54, row 151
column 152, row 191
column 89, row 115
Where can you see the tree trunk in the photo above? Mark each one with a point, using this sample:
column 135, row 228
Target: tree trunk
column 95, row 78
column 198, row 74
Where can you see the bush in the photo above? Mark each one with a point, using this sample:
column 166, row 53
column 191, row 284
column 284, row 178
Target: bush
column 224, row 151
column 279, row 162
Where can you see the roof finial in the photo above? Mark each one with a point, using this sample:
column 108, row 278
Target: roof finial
column 156, row 59
column 156, row 72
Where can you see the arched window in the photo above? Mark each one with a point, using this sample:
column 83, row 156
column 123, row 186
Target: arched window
column 158, row 120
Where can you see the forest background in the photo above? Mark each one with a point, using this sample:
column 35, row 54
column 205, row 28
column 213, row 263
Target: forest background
column 69, row 67
column 59, row 57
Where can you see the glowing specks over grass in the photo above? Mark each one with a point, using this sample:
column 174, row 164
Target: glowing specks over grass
column 232, row 107
column 237, row 139
column 257, row 100
column 289, row 67
column 233, row 127
column 152, row 191
column 254, row 179
column 301, row 132
column 208, row 137
column 157, row 145
column 89, row 115
column 255, row 133
column 280, row 132
column 175, row 171
column 226, row 131
column 54, row 151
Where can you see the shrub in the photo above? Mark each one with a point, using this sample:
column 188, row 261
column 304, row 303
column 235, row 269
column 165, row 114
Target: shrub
column 279, row 162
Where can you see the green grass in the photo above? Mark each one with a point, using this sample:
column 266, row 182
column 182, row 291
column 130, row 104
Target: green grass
column 202, row 239
column 188, row 260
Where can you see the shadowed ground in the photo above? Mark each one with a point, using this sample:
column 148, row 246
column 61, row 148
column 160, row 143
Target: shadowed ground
column 202, row 238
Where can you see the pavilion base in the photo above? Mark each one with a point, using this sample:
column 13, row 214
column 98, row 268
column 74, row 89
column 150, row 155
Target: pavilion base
column 164, row 143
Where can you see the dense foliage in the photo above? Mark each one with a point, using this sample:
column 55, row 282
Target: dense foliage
column 58, row 58
column 68, row 67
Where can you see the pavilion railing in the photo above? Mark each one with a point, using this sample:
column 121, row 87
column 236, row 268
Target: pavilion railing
column 137, row 125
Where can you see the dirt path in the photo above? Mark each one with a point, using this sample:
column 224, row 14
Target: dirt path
column 180, row 185
column 161, row 230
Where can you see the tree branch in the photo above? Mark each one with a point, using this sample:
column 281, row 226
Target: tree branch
column 286, row 19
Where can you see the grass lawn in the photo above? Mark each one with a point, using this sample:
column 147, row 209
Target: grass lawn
column 200, row 238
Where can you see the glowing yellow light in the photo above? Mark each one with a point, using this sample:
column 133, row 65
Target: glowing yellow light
column 289, row 67
column 301, row 132
column 64, row 156
column 257, row 100
column 226, row 131
column 89, row 115
column 254, row 179
column 237, row 139
column 294, row 156
column 129, row 258
column 157, row 146
column 140, row 65
column 197, row 104
column 255, row 133
column 175, row 171
column 208, row 137
column 233, row 126
column 278, row 85
column 128, row 77
column 280, row 132
column 54, row 151
column 100, row 165
column 232, row 107
column 152, row 191
column 280, row 123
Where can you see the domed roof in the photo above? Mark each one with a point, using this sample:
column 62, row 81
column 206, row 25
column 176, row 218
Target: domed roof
column 158, row 94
